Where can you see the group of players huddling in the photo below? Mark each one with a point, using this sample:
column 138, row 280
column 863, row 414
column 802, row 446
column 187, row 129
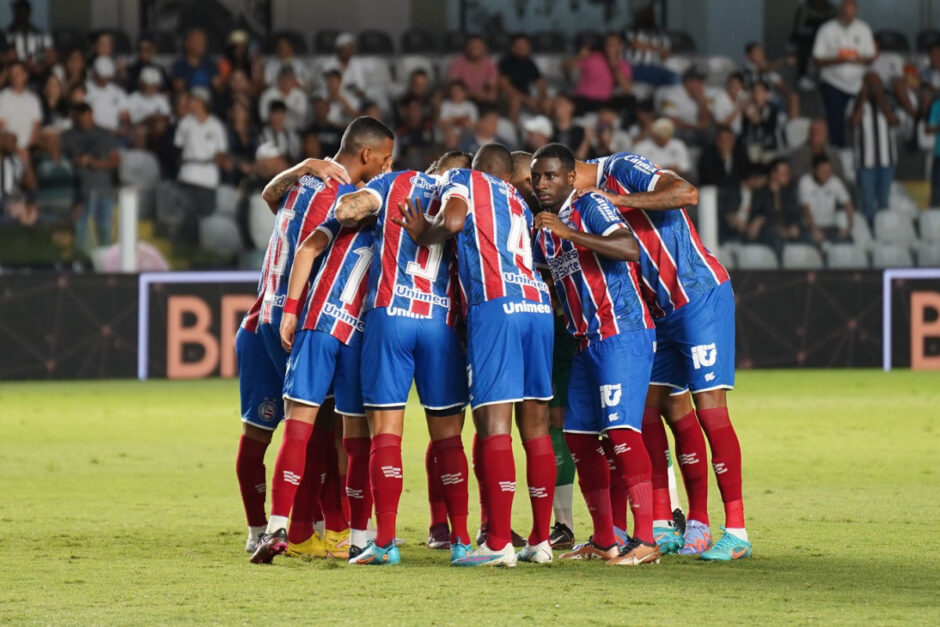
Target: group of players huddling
column 376, row 279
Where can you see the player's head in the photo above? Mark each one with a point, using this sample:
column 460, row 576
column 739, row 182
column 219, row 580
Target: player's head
column 495, row 160
column 552, row 175
column 522, row 176
column 369, row 143
column 449, row 161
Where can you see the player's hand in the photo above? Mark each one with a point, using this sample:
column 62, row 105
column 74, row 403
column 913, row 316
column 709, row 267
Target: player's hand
column 326, row 170
column 551, row 222
column 288, row 328
column 611, row 198
column 412, row 219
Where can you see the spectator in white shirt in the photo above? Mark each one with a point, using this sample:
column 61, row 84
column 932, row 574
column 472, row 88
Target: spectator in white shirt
column 289, row 92
column 284, row 57
column 349, row 67
column 458, row 113
column 821, row 194
column 275, row 132
column 843, row 49
column 29, row 42
column 20, row 109
column 664, row 149
column 687, row 106
column 203, row 141
column 108, row 101
column 147, row 101
column 343, row 106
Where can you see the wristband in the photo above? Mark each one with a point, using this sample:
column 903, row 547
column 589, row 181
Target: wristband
column 290, row 306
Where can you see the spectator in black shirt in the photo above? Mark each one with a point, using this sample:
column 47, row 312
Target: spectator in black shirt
column 775, row 210
column 327, row 133
column 419, row 86
column 520, row 80
column 761, row 129
column 242, row 143
column 566, row 131
column 723, row 163
column 415, row 137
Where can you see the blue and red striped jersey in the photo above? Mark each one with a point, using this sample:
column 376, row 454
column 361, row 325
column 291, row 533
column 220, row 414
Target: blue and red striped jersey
column 494, row 249
column 674, row 264
column 413, row 280
column 336, row 297
column 600, row 296
column 303, row 207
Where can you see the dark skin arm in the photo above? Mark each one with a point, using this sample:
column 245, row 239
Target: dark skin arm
column 309, row 250
column 423, row 231
column 619, row 245
column 671, row 192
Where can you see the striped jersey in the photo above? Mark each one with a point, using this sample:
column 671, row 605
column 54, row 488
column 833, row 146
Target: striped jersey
column 600, row 296
column 674, row 264
column 409, row 280
column 336, row 297
column 303, row 207
column 494, row 249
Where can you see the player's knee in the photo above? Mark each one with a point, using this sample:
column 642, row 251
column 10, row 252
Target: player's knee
column 711, row 399
column 256, row 433
column 677, row 406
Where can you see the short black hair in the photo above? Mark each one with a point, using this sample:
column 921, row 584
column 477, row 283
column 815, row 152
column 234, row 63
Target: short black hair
column 449, row 161
column 521, row 158
column 556, row 151
column 516, row 37
column 493, row 159
column 776, row 163
column 418, row 71
column 735, row 75
column 335, row 73
column 277, row 106
column 761, row 83
column 819, row 160
column 749, row 46
column 364, row 132
column 80, row 108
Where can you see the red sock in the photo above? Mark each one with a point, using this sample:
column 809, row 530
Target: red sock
column 289, row 467
column 540, row 475
column 477, row 460
column 500, row 482
column 435, row 489
column 385, row 471
column 306, row 507
column 249, row 468
column 594, row 479
column 452, row 465
column 726, row 460
column 330, row 503
column 635, row 463
column 618, row 490
column 358, row 487
column 657, row 446
column 692, row 458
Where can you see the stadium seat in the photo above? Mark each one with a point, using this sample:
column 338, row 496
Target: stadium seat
column 888, row 256
column 929, row 225
column 927, row 38
column 260, row 221
column 726, row 255
column 681, row 42
column 892, row 41
column 296, row 38
column 549, row 42
column 846, row 257
column 678, row 63
column 418, row 41
column 139, row 168
column 549, row 65
column 375, row 42
column 861, row 233
column 405, row 64
column 894, row 228
column 172, row 205
column 226, row 200
column 324, row 39
column 801, row 257
column 796, row 131
column 219, row 234
column 756, row 257
column 928, row 254
column 717, row 69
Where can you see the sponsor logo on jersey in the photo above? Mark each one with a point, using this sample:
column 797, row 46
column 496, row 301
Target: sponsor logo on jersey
column 526, row 307
column 565, row 264
column 341, row 314
column 519, row 279
column 312, row 182
column 610, row 395
column 428, row 186
column 704, row 355
column 404, row 313
column 407, row 292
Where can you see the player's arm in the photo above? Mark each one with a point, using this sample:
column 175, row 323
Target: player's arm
column 619, row 244
column 354, row 207
column 671, row 191
column 326, row 170
column 307, row 252
column 425, row 232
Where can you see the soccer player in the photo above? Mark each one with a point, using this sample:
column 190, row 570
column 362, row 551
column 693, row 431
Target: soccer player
column 586, row 245
column 261, row 360
column 509, row 342
column 327, row 344
column 410, row 312
column 690, row 293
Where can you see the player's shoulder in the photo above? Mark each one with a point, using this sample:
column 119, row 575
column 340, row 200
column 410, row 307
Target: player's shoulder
column 456, row 175
column 630, row 161
column 593, row 202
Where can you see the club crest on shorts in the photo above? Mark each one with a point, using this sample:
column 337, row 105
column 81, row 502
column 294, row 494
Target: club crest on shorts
column 267, row 411
column 610, row 395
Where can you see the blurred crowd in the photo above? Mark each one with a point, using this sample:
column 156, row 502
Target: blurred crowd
column 76, row 123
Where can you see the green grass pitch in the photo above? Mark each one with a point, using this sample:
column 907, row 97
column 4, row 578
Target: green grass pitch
column 118, row 504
